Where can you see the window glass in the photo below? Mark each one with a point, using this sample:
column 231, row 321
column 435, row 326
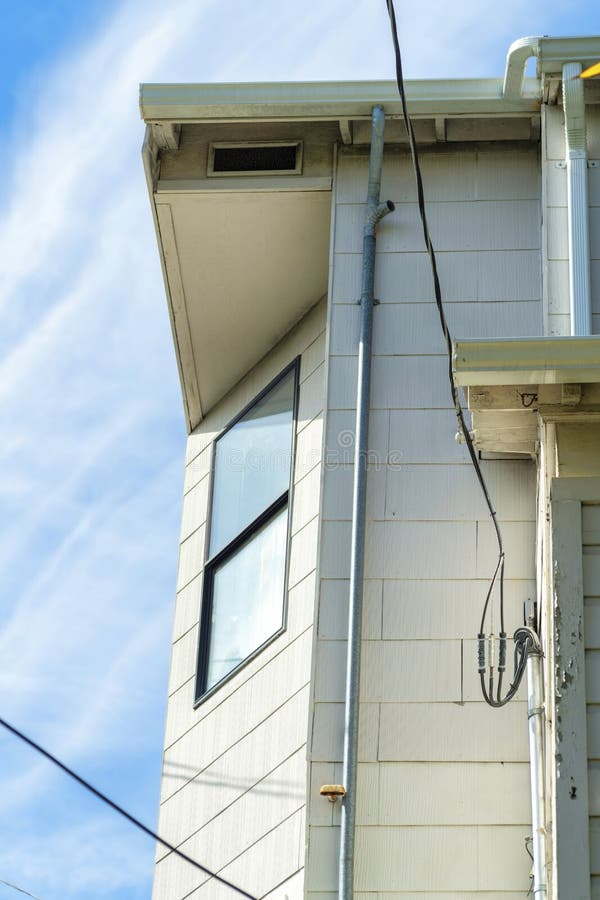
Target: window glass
column 252, row 464
column 247, row 598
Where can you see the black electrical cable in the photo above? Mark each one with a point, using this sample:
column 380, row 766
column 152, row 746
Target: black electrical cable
column 498, row 576
column 119, row 809
column 15, row 887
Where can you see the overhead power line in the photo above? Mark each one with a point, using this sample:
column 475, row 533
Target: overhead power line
column 122, row 812
column 19, row 889
column 493, row 698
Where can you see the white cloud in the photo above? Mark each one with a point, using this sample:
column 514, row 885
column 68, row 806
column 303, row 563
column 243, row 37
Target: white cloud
column 90, row 413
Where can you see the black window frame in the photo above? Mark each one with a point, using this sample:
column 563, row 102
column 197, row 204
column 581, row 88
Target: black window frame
column 211, row 563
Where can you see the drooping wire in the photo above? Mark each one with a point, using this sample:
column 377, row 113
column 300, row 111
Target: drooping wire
column 20, row 890
column 492, row 698
column 119, row 809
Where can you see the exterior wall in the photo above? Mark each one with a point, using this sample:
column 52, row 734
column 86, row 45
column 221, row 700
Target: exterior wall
column 555, row 218
column 443, row 806
column 590, row 528
column 573, row 657
column 234, row 774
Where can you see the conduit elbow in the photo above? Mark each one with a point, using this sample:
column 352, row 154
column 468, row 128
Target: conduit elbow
column 375, row 215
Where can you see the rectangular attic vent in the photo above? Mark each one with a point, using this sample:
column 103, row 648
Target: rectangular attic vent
column 255, row 158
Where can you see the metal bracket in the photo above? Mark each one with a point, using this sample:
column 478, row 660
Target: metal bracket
column 570, row 394
column 591, row 164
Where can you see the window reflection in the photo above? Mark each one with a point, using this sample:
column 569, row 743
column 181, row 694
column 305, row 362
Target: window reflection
column 252, row 464
column 243, row 603
column 247, row 603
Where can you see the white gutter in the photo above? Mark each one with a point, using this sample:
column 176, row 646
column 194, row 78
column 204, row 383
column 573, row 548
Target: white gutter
column 317, row 101
column 542, row 360
column 577, row 200
column 519, row 53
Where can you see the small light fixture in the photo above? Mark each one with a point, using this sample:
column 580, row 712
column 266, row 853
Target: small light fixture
column 333, row 791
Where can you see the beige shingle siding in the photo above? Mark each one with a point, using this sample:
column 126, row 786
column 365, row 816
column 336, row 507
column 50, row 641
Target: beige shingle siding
column 591, row 590
column 443, row 780
column 234, row 778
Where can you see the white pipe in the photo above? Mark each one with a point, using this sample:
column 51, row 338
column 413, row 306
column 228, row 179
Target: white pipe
column 535, row 716
column 516, row 61
column 577, row 201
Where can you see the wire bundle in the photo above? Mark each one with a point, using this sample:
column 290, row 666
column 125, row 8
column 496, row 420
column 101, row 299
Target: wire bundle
column 494, row 699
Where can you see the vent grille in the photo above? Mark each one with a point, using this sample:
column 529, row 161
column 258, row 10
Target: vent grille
column 255, row 159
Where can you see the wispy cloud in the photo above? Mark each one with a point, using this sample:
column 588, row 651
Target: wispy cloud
column 90, row 412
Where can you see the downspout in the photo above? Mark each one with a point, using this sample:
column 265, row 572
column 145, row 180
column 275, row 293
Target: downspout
column 516, row 61
column 577, row 200
column 375, row 212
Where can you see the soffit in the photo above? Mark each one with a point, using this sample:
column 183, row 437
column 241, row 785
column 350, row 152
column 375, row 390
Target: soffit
column 241, row 267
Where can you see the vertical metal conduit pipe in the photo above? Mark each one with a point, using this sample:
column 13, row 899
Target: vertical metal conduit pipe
column 375, row 212
column 535, row 716
column 577, row 200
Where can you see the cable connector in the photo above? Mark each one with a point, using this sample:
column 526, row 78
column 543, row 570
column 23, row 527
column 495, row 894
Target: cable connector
column 502, row 652
column 481, row 667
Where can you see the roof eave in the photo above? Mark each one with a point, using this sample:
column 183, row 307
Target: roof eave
column 314, row 101
column 544, row 360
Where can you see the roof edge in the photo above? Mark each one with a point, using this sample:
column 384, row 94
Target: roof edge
column 311, row 100
column 546, row 360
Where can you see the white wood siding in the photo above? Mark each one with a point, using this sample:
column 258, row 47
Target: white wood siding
column 443, row 796
column 590, row 527
column 235, row 772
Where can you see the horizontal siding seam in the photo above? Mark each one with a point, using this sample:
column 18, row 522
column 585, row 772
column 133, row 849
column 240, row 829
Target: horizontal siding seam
column 225, row 752
column 181, row 636
column 284, row 632
column 186, row 583
column 504, row 825
column 309, row 422
column 397, row 519
column 420, row 303
column 392, row 355
column 195, row 485
column 287, row 878
column 317, row 463
column 242, row 683
column 238, row 798
column 204, row 449
column 235, row 743
column 472, row 201
column 246, row 850
column 470, row 250
column 306, row 375
column 443, row 579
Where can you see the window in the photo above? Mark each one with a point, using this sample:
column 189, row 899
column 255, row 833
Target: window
column 243, row 602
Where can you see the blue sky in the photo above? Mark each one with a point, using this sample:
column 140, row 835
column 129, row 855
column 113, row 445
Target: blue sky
column 90, row 411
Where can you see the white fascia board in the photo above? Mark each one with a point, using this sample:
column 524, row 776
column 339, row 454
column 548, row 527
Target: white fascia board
column 548, row 360
column 314, row 101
